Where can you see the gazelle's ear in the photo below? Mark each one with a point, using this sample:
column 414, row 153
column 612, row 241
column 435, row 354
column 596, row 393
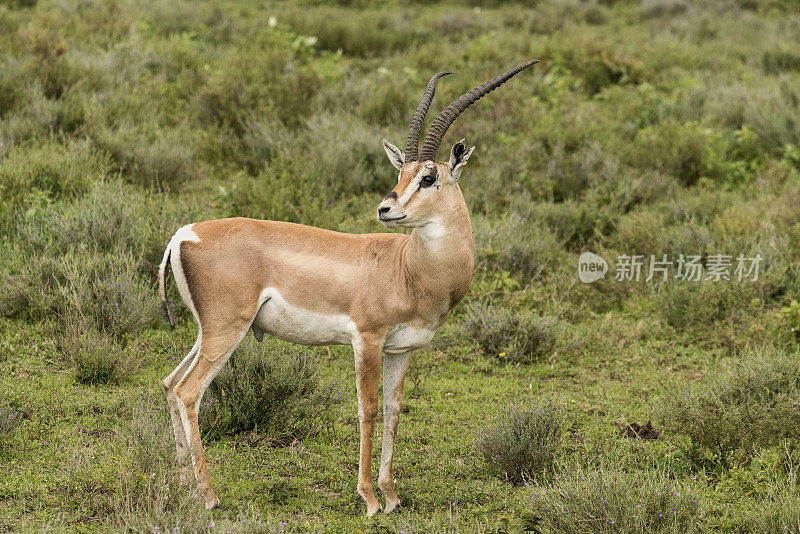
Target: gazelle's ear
column 396, row 155
column 458, row 157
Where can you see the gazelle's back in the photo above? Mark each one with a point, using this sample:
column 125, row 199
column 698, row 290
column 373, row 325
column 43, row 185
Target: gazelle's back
column 298, row 275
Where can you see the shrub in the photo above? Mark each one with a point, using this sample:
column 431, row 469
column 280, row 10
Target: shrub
column 598, row 68
column 761, row 105
column 108, row 293
column 662, row 8
column 638, row 232
column 270, row 389
column 778, row 512
column 276, row 194
column 613, row 500
column 346, row 166
column 568, row 173
column 686, row 151
column 689, row 305
column 260, row 141
column 523, row 441
column 108, row 217
column 346, row 157
column 262, row 80
column 761, row 497
column 577, row 225
column 148, row 154
column 101, row 290
column 756, row 403
column 509, row 334
column 780, row 59
column 358, row 33
column 517, row 244
column 388, row 103
column 31, row 178
column 791, row 316
column 774, row 515
column 11, row 91
column 47, row 58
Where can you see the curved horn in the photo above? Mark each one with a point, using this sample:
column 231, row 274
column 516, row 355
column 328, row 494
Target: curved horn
column 412, row 143
column 449, row 114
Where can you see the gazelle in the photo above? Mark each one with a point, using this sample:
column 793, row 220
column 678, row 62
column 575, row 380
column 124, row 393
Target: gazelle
column 384, row 294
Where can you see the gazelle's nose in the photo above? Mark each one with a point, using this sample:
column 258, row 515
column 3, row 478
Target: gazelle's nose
column 383, row 209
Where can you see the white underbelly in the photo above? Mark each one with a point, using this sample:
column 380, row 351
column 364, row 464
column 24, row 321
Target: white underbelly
column 283, row 320
column 403, row 338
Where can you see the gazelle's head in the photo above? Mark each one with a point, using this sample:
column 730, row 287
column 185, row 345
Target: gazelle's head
column 426, row 188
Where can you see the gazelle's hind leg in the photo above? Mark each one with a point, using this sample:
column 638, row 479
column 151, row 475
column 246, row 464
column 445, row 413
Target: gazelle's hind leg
column 181, row 443
column 214, row 351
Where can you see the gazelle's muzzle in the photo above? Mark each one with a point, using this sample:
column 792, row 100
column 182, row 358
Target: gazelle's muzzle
column 389, row 212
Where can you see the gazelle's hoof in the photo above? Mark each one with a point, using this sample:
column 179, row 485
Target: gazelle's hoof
column 212, row 503
column 393, row 506
column 374, row 509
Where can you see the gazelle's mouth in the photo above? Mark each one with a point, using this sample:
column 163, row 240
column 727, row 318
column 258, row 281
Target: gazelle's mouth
column 395, row 219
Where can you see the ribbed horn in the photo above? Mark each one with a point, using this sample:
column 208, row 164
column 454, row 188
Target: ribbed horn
column 412, row 143
column 449, row 114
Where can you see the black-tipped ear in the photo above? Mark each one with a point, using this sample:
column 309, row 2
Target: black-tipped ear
column 458, row 157
column 396, row 155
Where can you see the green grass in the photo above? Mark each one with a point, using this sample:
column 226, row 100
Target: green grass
column 650, row 127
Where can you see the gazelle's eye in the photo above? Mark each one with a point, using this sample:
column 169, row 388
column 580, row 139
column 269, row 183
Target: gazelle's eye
column 428, row 180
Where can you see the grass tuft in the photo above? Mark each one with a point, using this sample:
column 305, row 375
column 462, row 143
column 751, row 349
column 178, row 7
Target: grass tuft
column 271, row 390
column 510, row 334
column 612, row 500
column 523, row 441
column 10, row 420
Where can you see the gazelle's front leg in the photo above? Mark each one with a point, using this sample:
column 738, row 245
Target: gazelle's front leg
column 394, row 373
column 367, row 351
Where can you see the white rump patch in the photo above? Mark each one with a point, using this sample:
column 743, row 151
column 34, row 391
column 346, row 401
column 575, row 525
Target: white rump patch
column 185, row 233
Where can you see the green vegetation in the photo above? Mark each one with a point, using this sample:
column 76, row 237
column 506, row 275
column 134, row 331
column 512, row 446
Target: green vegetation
column 523, row 441
column 650, row 127
column 509, row 334
column 733, row 416
column 271, row 391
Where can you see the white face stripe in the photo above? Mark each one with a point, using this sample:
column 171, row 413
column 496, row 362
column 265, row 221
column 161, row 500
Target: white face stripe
column 413, row 185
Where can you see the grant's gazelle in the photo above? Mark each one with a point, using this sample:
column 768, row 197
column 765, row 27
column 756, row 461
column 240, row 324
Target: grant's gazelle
column 384, row 294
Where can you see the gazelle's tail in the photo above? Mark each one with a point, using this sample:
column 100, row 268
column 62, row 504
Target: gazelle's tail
column 162, row 284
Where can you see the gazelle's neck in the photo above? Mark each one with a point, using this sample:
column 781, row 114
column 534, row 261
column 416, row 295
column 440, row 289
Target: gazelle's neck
column 440, row 254
column 443, row 236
